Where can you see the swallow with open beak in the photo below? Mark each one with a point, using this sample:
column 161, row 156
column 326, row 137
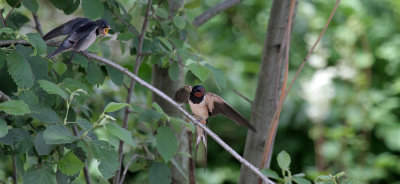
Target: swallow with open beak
column 204, row 105
column 82, row 32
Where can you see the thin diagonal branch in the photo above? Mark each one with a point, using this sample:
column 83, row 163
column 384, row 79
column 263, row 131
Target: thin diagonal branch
column 37, row 24
column 9, row 13
column 4, row 97
column 15, row 175
column 2, row 18
column 139, row 60
column 274, row 120
column 207, row 15
column 130, row 27
column 167, row 98
column 127, row 167
column 244, row 97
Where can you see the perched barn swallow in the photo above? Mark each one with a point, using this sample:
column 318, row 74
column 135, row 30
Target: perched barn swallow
column 82, row 32
column 204, row 105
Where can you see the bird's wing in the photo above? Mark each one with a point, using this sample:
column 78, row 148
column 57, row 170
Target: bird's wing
column 66, row 28
column 182, row 95
column 82, row 32
column 218, row 105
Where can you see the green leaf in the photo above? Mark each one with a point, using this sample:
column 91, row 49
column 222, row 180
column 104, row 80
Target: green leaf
column 15, row 107
column 159, row 173
column 42, row 175
column 95, row 75
column 3, row 128
column 20, row 70
column 121, row 133
column 179, row 22
column 283, row 160
column 52, row 88
column 39, row 67
column 3, row 57
column 60, row 67
column 92, row 8
column 72, row 7
column 40, row 145
column 116, row 76
column 161, row 12
column 80, row 60
column 37, row 42
column 106, row 155
column 167, row 144
column 219, row 77
column 173, row 71
column 149, row 115
column 112, row 106
column 6, row 30
column 20, row 139
column 44, row 114
column 300, row 180
column 57, row 134
column 270, row 173
column 31, row 5
column 125, row 36
column 70, row 164
column 165, row 43
column 199, row 71
column 73, row 85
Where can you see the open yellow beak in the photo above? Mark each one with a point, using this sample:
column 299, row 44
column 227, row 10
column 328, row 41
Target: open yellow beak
column 106, row 30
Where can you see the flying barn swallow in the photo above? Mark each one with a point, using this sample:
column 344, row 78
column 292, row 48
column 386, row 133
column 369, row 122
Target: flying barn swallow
column 204, row 105
column 82, row 32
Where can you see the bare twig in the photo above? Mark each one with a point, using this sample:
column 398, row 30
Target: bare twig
column 274, row 120
column 168, row 99
column 15, row 174
column 9, row 13
column 85, row 169
column 139, row 60
column 207, row 15
column 37, row 24
column 127, row 167
column 244, row 97
column 4, row 97
column 192, row 177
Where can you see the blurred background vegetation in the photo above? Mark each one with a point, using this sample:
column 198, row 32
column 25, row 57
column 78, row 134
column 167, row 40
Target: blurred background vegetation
column 341, row 115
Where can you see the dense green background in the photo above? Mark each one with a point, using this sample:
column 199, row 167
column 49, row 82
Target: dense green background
column 347, row 95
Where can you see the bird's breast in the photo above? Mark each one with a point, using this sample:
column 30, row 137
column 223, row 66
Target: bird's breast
column 85, row 42
column 199, row 109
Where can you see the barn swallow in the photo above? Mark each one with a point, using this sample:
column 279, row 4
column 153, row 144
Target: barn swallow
column 82, row 32
column 204, row 105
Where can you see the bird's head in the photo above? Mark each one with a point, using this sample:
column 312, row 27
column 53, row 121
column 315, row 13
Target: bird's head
column 103, row 26
column 198, row 91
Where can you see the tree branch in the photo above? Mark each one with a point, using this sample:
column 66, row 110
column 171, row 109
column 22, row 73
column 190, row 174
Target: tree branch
column 37, row 24
column 244, row 97
column 2, row 18
column 130, row 27
column 15, row 175
column 139, row 59
column 127, row 167
column 4, row 97
column 207, row 15
column 167, row 98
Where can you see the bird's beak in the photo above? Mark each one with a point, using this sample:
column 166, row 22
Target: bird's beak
column 106, row 30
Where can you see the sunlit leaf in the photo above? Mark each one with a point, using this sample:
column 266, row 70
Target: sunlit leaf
column 70, row 164
column 57, row 134
column 15, row 107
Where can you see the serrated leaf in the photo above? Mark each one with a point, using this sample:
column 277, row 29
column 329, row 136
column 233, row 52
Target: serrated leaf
column 300, row 180
column 112, row 106
column 39, row 67
column 40, row 145
column 80, row 60
column 167, row 144
column 15, row 107
column 121, row 133
column 37, row 42
column 20, row 139
column 58, row 134
column 3, row 57
column 283, row 159
column 159, row 174
column 165, row 43
column 60, row 67
column 70, row 164
column 173, row 71
column 179, row 22
column 42, row 175
column 52, row 88
column 6, row 30
column 270, row 173
column 116, row 76
column 161, row 12
column 92, row 8
column 94, row 75
column 3, row 128
column 44, row 114
column 149, row 115
column 219, row 77
column 20, row 70
column 199, row 71
column 106, row 155
column 73, row 85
